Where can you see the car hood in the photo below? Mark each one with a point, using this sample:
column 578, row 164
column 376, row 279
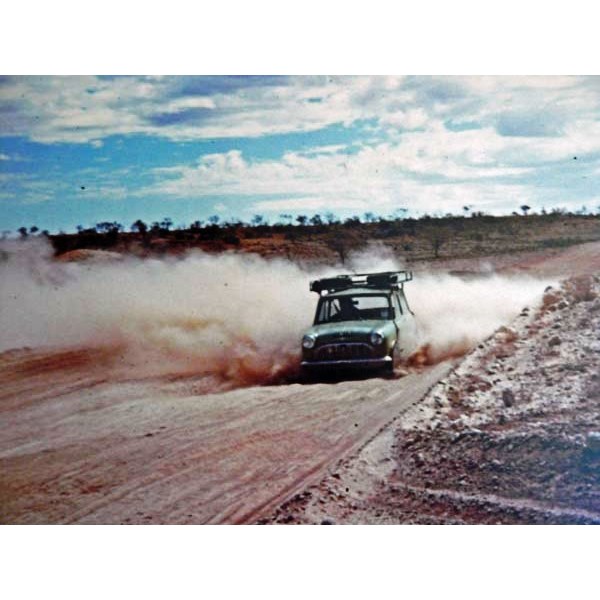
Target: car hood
column 350, row 329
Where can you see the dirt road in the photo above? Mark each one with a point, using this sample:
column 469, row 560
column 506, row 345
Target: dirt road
column 76, row 448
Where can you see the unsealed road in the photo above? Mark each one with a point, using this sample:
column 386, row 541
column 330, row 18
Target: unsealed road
column 78, row 448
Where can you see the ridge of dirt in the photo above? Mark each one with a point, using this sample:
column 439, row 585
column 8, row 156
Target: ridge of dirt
column 512, row 435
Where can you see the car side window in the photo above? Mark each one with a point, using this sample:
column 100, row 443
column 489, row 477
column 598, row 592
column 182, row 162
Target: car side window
column 334, row 309
column 328, row 310
column 323, row 310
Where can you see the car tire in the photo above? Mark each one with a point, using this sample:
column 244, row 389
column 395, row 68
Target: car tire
column 390, row 366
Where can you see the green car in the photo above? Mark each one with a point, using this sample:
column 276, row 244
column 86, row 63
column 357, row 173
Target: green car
column 362, row 321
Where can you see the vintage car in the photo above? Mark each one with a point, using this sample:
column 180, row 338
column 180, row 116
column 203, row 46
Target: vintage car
column 362, row 321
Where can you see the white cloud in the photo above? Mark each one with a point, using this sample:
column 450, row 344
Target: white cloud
column 4, row 157
column 330, row 149
column 423, row 142
column 406, row 119
column 379, row 178
column 83, row 109
column 190, row 102
column 308, row 204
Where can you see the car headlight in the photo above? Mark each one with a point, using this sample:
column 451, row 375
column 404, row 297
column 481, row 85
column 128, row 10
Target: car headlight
column 376, row 339
column 308, row 341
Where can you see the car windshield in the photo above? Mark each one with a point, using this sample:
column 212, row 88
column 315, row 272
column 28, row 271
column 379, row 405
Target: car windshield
column 353, row 308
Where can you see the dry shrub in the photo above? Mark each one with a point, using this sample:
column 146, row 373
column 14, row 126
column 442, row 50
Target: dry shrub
column 551, row 297
column 506, row 335
column 580, row 289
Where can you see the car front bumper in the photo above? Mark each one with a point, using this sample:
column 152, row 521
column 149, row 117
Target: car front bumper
column 372, row 363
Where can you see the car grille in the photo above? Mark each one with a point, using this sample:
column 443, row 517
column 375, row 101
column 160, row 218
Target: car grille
column 346, row 338
column 344, row 351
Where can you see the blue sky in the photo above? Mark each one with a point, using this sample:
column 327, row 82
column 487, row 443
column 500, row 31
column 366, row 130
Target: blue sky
column 80, row 150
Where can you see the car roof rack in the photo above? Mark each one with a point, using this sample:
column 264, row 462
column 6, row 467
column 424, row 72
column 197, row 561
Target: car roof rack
column 393, row 280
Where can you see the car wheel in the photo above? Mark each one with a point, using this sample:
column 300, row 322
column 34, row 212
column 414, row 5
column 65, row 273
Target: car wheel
column 390, row 366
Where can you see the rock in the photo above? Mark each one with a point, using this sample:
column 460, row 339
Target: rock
column 554, row 341
column 327, row 522
column 420, row 459
column 506, row 334
column 453, row 414
column 550, row 299
column 453, row 396
column 593, row 440
column 508, row 397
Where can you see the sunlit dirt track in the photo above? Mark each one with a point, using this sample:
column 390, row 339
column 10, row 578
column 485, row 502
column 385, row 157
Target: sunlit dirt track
column 91, row 451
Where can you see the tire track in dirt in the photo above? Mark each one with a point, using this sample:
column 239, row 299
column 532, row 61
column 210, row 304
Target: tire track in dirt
column 138, row 452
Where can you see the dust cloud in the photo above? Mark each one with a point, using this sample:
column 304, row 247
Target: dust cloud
column 238, row 317
column 232, row 317
column 455, row 314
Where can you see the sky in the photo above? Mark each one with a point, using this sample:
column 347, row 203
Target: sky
column 78, row 150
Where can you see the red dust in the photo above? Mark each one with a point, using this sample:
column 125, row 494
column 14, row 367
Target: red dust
column 427, row 355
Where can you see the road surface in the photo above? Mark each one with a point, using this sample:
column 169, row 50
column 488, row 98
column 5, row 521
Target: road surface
column 78, row 447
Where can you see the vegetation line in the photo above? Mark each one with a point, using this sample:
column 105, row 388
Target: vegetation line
column 326, row 238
